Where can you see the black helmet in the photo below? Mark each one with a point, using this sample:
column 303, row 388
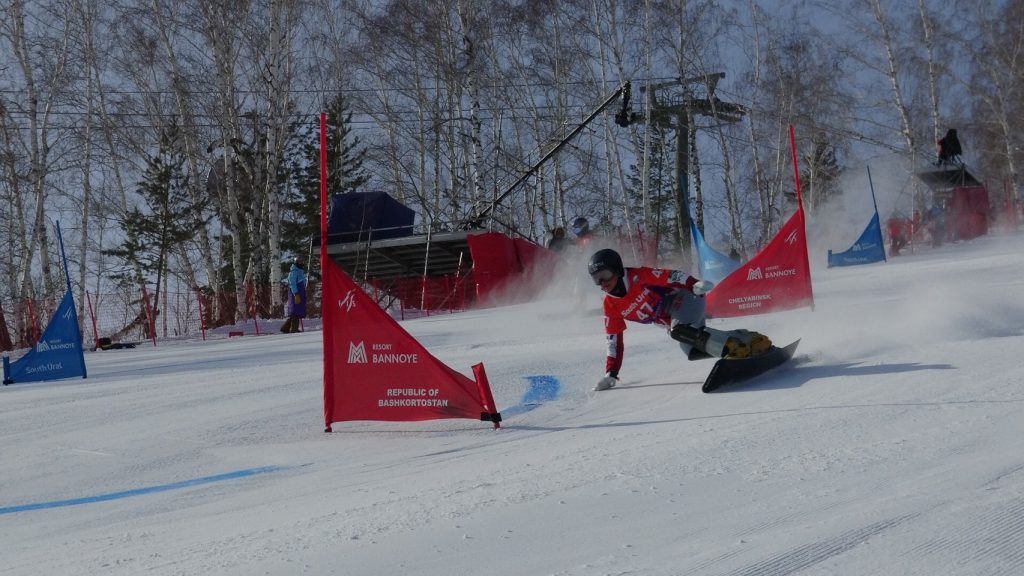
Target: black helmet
column 605, row 259
column 580, row 226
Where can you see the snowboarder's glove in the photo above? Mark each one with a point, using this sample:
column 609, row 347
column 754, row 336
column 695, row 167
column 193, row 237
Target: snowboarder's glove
column 702, row 287
column 298, row 299
column 607, row 382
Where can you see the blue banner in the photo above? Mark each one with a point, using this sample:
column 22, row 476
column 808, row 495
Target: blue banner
column 58, row 354
column 867, row 249
column 714, row 266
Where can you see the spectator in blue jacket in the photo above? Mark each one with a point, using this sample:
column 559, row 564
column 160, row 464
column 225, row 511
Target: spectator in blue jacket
column 296, row 306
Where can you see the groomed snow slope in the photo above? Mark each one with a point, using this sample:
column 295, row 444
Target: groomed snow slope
column 891, row 445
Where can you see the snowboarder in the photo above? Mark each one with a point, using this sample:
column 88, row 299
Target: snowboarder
column 296, row 296
column 669, row 298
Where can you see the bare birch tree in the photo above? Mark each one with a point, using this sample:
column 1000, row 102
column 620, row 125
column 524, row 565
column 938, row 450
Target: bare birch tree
column 995, row 43
column 931, row 51
column 219, row 29
column 274, row 28
column 41, row 57
column 170, row 32
column 764, row 181
column 614, row 33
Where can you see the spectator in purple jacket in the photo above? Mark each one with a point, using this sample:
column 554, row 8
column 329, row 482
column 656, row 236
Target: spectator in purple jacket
column 296, row 306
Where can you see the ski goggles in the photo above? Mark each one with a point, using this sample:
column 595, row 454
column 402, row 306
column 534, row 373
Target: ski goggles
column 602, row 276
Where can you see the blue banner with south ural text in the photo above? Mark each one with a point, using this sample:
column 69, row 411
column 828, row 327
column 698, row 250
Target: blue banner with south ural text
column 58, row 353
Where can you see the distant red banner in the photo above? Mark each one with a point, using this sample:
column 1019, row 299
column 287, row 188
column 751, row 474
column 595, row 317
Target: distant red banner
column 777, row 278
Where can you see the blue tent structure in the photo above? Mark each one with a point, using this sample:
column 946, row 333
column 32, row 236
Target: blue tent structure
column 366, row 216
column 870, row 247
column 58, row 353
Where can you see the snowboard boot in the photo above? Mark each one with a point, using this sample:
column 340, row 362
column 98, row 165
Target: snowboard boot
column 693, row 340
column 744, row 344
column 733, row 343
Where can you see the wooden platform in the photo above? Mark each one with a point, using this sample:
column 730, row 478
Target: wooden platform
column 948, row 177
column 439, row 254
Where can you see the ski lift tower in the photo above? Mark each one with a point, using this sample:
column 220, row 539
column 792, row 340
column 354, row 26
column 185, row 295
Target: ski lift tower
column 675, row 112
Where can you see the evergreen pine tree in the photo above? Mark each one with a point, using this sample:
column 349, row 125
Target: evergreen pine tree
column 345, row 173
column 661, row 188
column 166, row 219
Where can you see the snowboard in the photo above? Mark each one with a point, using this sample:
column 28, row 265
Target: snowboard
column 732, row 370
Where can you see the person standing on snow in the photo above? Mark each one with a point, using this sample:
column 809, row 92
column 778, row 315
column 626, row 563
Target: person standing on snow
column 669, row 298
column 558, row 242
column 296, row 306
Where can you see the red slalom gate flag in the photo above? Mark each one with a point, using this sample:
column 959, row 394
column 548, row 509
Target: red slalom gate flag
column 375, row 370
column 777, row 278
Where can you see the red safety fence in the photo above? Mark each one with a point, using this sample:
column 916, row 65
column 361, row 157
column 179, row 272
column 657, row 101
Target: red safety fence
column 504, row 271
column 128, row 316
column 24, row 322
column 424, row 295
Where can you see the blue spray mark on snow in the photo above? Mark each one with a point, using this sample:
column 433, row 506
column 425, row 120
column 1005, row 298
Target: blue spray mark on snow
column 540, row 390
column 140, row 491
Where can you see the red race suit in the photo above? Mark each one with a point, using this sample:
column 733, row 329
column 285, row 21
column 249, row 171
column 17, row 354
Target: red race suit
column 646, row 289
